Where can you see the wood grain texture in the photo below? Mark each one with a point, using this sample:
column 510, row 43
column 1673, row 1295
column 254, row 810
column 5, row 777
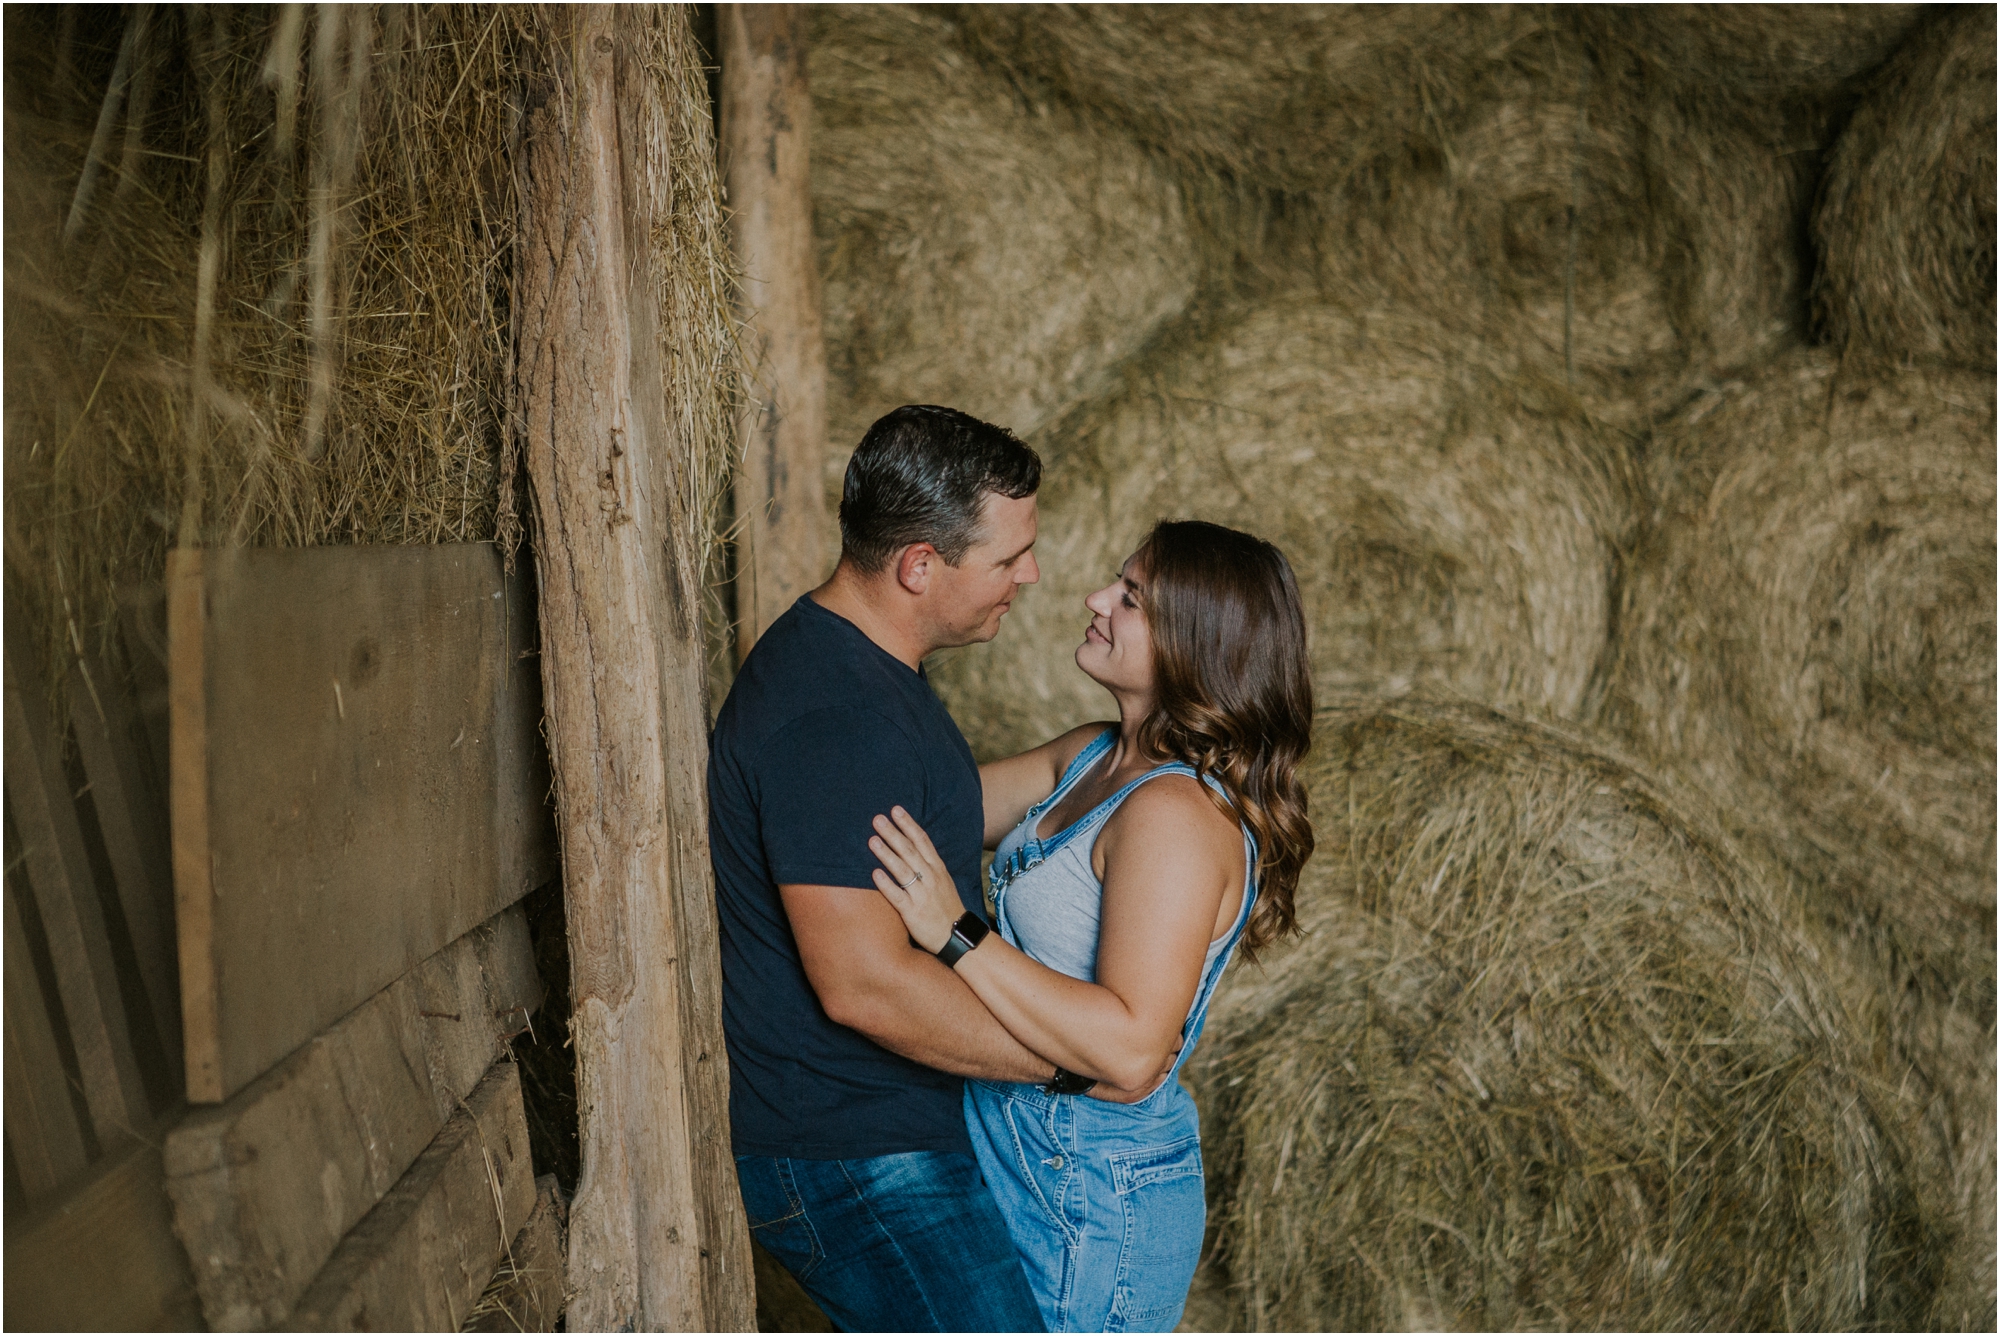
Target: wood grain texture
column 104, row 1258
column 267, row 1184
column 526, row 1293
column 785, row 539
column 188, row 798
column 72, row 914
column 419, row 1260
column 43, row 1134
column 657, row 1236
column 356, row 781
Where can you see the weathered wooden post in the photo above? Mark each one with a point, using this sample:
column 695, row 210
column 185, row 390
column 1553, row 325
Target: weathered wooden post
column 784, row 534
column 657, row 1236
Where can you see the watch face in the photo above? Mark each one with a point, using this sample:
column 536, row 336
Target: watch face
column 971, row 929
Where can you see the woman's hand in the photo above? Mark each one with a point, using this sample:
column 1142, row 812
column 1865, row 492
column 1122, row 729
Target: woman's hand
column 914, row 879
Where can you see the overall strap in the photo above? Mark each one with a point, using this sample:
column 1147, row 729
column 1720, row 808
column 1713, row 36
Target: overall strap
column 1078, row 768
column 1211, row 978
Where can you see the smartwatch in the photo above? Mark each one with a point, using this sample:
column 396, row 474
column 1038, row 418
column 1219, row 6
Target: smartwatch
column 968, row 932
column 1068, row 1083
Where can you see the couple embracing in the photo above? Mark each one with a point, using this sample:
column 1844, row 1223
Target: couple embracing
column 943, row 1123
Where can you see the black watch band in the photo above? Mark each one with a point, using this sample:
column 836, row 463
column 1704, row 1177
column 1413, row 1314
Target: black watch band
column 1068, row 1083
column 968, row 932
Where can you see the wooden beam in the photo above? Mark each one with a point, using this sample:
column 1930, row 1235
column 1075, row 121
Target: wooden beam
column 421, row 1257
column 104, row 1258
column 784, row 538
column 72, row 914
column 42, row 1129
column 356, row 781
column 657, row 1235
column 266, row 1185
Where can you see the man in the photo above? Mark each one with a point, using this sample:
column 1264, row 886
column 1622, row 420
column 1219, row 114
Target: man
column 847, row 1042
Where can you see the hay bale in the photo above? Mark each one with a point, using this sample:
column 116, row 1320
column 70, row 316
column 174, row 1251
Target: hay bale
column 1293, row 97
column 977, row 251
column 1548, row 1058
column 1589, row 222
column 1447, row 528
column 1745, row 53
column 1483, row 165
column 1905, row 220
column 1807, row 634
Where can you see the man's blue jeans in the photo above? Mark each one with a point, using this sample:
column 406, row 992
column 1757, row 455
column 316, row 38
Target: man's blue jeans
column 908, row 1242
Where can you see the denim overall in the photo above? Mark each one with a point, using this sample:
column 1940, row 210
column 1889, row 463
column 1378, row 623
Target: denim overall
column 1104, row 1201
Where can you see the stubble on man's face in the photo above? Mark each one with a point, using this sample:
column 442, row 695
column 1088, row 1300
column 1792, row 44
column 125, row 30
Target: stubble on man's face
column 979, row 590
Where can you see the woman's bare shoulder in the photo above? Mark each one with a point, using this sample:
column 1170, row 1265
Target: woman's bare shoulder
column 1178, row 809
column 1064, row 748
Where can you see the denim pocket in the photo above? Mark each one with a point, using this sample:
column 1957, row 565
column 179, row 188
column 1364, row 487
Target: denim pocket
column 1159, row 1190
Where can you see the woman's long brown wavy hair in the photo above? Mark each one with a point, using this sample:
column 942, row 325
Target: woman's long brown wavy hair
column 1234, row 692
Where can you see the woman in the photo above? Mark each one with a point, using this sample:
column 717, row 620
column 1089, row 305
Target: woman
column 1135, row 857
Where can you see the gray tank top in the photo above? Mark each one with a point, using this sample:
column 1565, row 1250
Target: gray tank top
column 1047, row 897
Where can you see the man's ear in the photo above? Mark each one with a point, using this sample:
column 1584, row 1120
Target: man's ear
column 913, row 567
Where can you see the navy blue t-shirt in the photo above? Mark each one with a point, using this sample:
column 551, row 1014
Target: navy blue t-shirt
column 822, row 730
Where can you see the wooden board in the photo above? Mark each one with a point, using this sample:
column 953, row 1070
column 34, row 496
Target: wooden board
column 355, row 781
column 105, row 1259
column 42, row 1129
column 419, row 1260
column 785, row 539
column 266, row 1185
column 67, row 898
column 131, row 814
column 526, row 1293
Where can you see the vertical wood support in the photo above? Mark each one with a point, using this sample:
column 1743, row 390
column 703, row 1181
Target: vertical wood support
column 784, row 534
column 657, row 1235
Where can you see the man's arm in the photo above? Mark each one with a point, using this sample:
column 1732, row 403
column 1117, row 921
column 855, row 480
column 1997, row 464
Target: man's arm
column 858, row 957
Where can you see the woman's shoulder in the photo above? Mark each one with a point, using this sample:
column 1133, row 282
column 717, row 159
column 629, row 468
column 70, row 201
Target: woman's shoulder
column 1063, row 751
column 1177, row 808
column 1064, row 748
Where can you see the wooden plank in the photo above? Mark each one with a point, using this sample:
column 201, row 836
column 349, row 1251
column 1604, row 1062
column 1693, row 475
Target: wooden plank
column 526, row 1293
column 266, row 1185
column 187, row 790
column 42, row 1130
column 657, row 1235
column 356, row 781
column 131, row 816
column 418, row 1261
column 105, row 1258
column 785, row 537
column 66, row 896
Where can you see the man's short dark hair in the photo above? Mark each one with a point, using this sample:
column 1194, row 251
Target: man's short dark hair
column 920, row 475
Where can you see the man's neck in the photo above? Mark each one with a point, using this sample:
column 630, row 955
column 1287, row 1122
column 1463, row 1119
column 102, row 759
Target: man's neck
column 871, row 603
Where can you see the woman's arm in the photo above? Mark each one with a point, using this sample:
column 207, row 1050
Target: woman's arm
column 1170, row 857
column 1012, row 786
